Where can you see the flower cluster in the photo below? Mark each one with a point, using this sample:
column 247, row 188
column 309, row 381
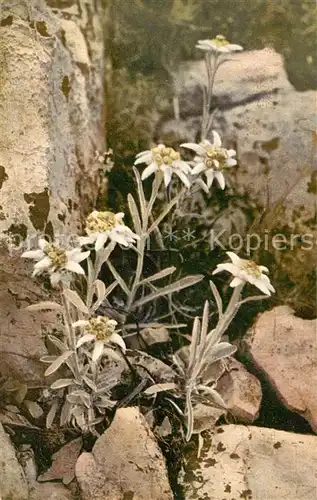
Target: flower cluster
column 246, row 271
column 218, row 45
column 56, row 260
column 104, row 226
column 165, row 160
column 101, row 331
column 211, row 159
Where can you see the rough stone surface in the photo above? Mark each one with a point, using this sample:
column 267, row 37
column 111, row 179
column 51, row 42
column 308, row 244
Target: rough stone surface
column 49, row 491
column 51, row 123
column 241, row 392
column 125, row 463
column 13, row 485
column 240, row 462
column 284, row 348
column 265, row 119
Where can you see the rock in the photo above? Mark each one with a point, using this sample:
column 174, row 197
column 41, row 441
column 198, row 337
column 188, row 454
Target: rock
column 241, row 392
column 51, row 123
column 13, row 484
column 284, row 348
column 252, row 463
column 50, row 491
column 125, row 463
column 264, row 118
column 64, row 460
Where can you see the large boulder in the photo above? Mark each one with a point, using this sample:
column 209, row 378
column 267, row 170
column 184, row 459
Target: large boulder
column 284, row 348
column 125, row 462
column 51, row 123
column 252, row 463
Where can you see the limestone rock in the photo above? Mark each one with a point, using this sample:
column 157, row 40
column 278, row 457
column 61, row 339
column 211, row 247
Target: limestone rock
column 13, row 485
column 253, row 463
column 49, row 491
column 284, row 348
column 125, row 463
column 51, row 124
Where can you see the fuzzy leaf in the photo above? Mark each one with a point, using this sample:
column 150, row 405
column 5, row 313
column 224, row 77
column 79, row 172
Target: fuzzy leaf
column 65, row 413
column 140, row 193
column 172, row 288
column 154, row 389
column 57, row 363
column 74, row 299
column 217, row 296
column 157, row 276
column 51, row 414
column 163, row 214
column 194, row 345
column 62, row 382
column 134, row 214
column 58, row 343
column 48, row 359
column 119, row 279
column 34, row 409
column 220, row 351
column 190, row 416
column 213, row 394
column 45, row 305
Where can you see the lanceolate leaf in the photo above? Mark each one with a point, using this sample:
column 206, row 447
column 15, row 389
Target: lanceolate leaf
column 218, row 299
column 74, row 299
column 119, row 279
column 140, row 193
column 45, row 305
column 134, row 214
column 190, row 416
column 58, row 362
column 154, row 389
column 51, row 414
column 194, row 345
column 62, row 382
column 157, row 276
column 213, row 394
column 220, row 351
column 163, row 214
column 174, row 287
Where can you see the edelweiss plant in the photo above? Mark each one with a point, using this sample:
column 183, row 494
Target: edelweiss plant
column 92, row 344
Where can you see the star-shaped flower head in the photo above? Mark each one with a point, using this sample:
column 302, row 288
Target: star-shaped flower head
column 165, row 160
column 101, row 331
column 246, row 271
column 101, row 226
column 55, row 260
column 218, row 45
column 211, row 159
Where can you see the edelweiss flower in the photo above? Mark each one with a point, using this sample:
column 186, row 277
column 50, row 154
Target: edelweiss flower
column 99, row 330
column 246, row 271
column 218, row 44
column 211, row 159
column 56, row 260
column 101, row 226
column 165, row 160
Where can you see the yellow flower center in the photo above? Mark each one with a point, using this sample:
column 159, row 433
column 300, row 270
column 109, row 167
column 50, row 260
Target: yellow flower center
column 101, row 327
column 56, row 255
column 252, row 268
column 218, row 154
column 164, row 156
column 101, row 222
column 220, row 41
